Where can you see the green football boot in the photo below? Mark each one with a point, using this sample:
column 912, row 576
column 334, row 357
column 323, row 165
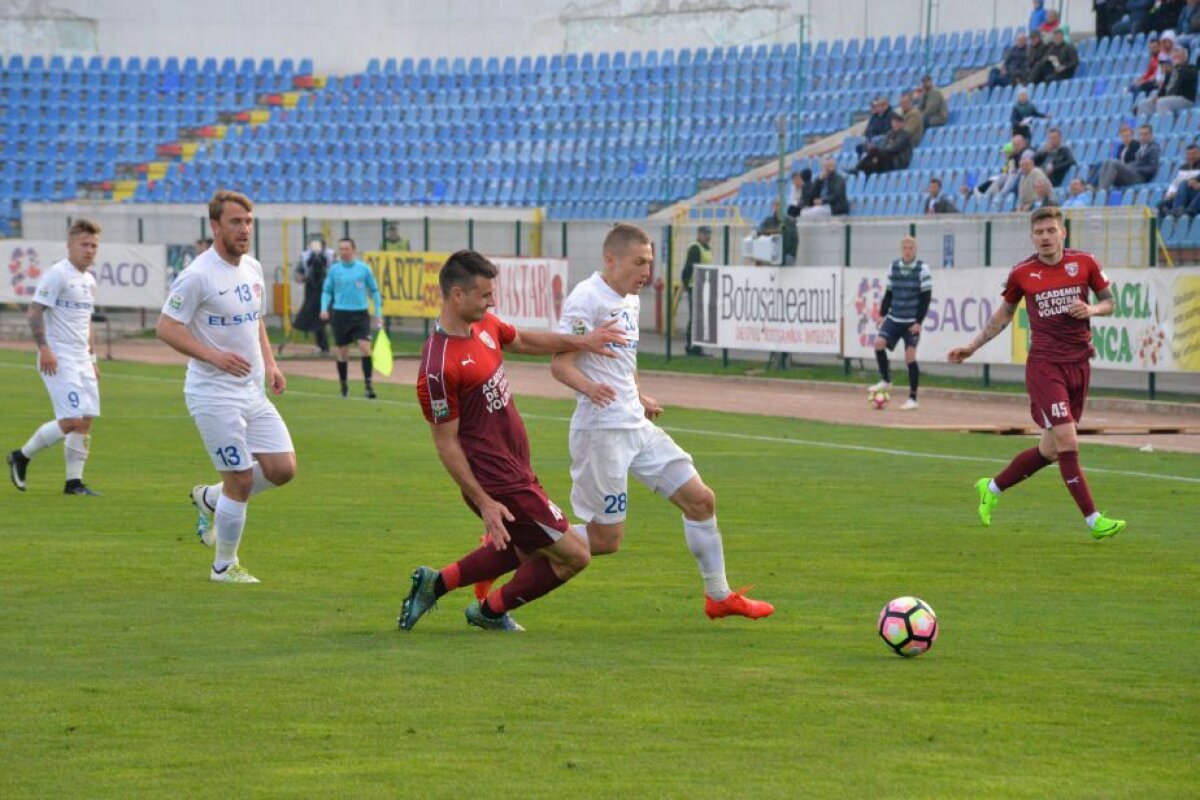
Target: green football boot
column 987, row 501
column 421, row 597
column 1106, row 528
column 504, row 623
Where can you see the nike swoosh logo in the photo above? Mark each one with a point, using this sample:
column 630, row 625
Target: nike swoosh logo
column 226, row 291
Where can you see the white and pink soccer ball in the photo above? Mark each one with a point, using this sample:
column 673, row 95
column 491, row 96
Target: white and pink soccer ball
column 908, row 626
column 879, row 399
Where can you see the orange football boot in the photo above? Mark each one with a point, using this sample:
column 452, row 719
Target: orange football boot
column 737, row 605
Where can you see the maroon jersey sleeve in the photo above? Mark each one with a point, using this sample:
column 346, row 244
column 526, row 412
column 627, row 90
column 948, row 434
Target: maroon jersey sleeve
column 1012, row 291
column 505, row 333
column 437, row 390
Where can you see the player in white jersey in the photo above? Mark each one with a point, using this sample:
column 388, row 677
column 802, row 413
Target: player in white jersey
column 612, row 433
column 213, row 314
column 60, row 318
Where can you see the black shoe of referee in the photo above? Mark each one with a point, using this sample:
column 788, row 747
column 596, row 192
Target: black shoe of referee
column 369, row 393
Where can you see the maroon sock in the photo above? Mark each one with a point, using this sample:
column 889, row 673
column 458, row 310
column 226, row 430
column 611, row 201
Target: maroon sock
column 532, row 579
column 1072, row 475
column 483, row 563
column 1021, row 467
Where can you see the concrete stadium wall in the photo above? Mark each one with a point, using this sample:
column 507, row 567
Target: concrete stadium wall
column 343, row 42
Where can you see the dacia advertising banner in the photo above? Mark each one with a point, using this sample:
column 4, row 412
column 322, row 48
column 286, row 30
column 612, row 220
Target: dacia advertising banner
column 777, row 309
column 1156, row 324
column 530, row 291
column 127, row 275
column 408, row 282
column 962, row 302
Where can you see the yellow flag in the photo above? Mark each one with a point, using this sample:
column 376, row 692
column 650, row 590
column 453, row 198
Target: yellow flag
column 381, row 353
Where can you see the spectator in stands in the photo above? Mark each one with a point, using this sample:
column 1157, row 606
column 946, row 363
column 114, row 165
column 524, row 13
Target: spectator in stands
column 1005, row 183
column 800, row 193
column 1149, row 80
column 1079, row 194
column 1008, row 71
column 1059, row 62
column 937, row 203
column 779, row 223
column 914, row 123
column 1135, row 19
column 932, row 104
column 1035, row 51
column 1183, row 195
column 1051, row 24
column 1116, row 172
column 894, row 153
column 1023, row 113
column 1037, row 16
column 878, row 124
column 1055, row 158
column 1179, row 88
column 1187, row 27
column 1108, row 13
column 1043, row 194
column 1163, row 15
column 1029, row 175
column 392, row 240
column 828, row 193
column 1125, row 151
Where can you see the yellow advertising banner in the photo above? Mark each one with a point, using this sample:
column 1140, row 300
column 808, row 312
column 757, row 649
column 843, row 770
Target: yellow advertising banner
column 408, row 282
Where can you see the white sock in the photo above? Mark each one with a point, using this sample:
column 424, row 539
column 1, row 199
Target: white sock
column 75, row 451
column 259, row 485
column 993, row 488
column 581, row 531
column 704, row 540
column 230, row 519
column 46, row 436
column 1091, row 518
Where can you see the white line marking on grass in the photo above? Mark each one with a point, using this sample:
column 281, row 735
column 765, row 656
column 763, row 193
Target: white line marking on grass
column 749, row 437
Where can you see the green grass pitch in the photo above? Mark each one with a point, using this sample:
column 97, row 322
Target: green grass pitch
column 1064, row 668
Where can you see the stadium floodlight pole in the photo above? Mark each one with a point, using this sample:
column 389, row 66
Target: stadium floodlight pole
column 781, row 179
column 799, row 87
column 928, row 35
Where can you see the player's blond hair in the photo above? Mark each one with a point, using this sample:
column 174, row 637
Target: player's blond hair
column 1046, row 212
column 217, row 204
column 622, row 235
column 84, row 226
column 907, row 239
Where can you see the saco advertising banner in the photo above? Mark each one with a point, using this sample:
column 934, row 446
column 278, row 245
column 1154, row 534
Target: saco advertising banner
column 777, row 309
column 127, row 275
column 530, row 291
column 962, row 302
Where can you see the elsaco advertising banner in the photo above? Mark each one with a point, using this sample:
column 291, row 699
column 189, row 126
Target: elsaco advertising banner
column 127, row 275
column 408, row 282
column 962, row 302
column 777, row 309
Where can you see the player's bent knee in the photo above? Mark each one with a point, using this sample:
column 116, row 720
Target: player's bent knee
column 282, row 473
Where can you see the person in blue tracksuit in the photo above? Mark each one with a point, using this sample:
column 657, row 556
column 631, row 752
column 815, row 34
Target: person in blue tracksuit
column 346, row 290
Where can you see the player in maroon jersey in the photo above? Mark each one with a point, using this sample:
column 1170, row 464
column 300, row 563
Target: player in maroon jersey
column 482, row 442
column 1055, row 284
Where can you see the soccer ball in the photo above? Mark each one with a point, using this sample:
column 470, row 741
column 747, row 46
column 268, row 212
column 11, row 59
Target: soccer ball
column 908, row 626
column 879, row 399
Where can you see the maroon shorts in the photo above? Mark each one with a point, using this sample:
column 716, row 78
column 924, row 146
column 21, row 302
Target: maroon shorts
column 537, row 521
column 1057, row 391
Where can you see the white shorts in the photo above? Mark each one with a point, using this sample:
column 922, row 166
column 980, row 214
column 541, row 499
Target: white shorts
column 601, row 461
column 74, row 390
column 233, row 431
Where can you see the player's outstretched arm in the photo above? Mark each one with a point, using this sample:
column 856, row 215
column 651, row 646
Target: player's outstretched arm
column 544, row 343
column 994, row 326
column 567, row 372
column 173, row 332
column 494, row 514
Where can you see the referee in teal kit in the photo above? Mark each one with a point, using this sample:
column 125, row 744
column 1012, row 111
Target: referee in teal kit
column 346, row 287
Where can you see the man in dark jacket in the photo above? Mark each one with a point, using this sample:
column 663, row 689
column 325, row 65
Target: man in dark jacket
column 1034, row 52
column 1179, row 87
column 1055, row 158
column 1059, row 62
column 1013, row 64
column 1143, row 168
column 878, row 124
column 829, row 193
column 937, row 203
column 894, row 153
